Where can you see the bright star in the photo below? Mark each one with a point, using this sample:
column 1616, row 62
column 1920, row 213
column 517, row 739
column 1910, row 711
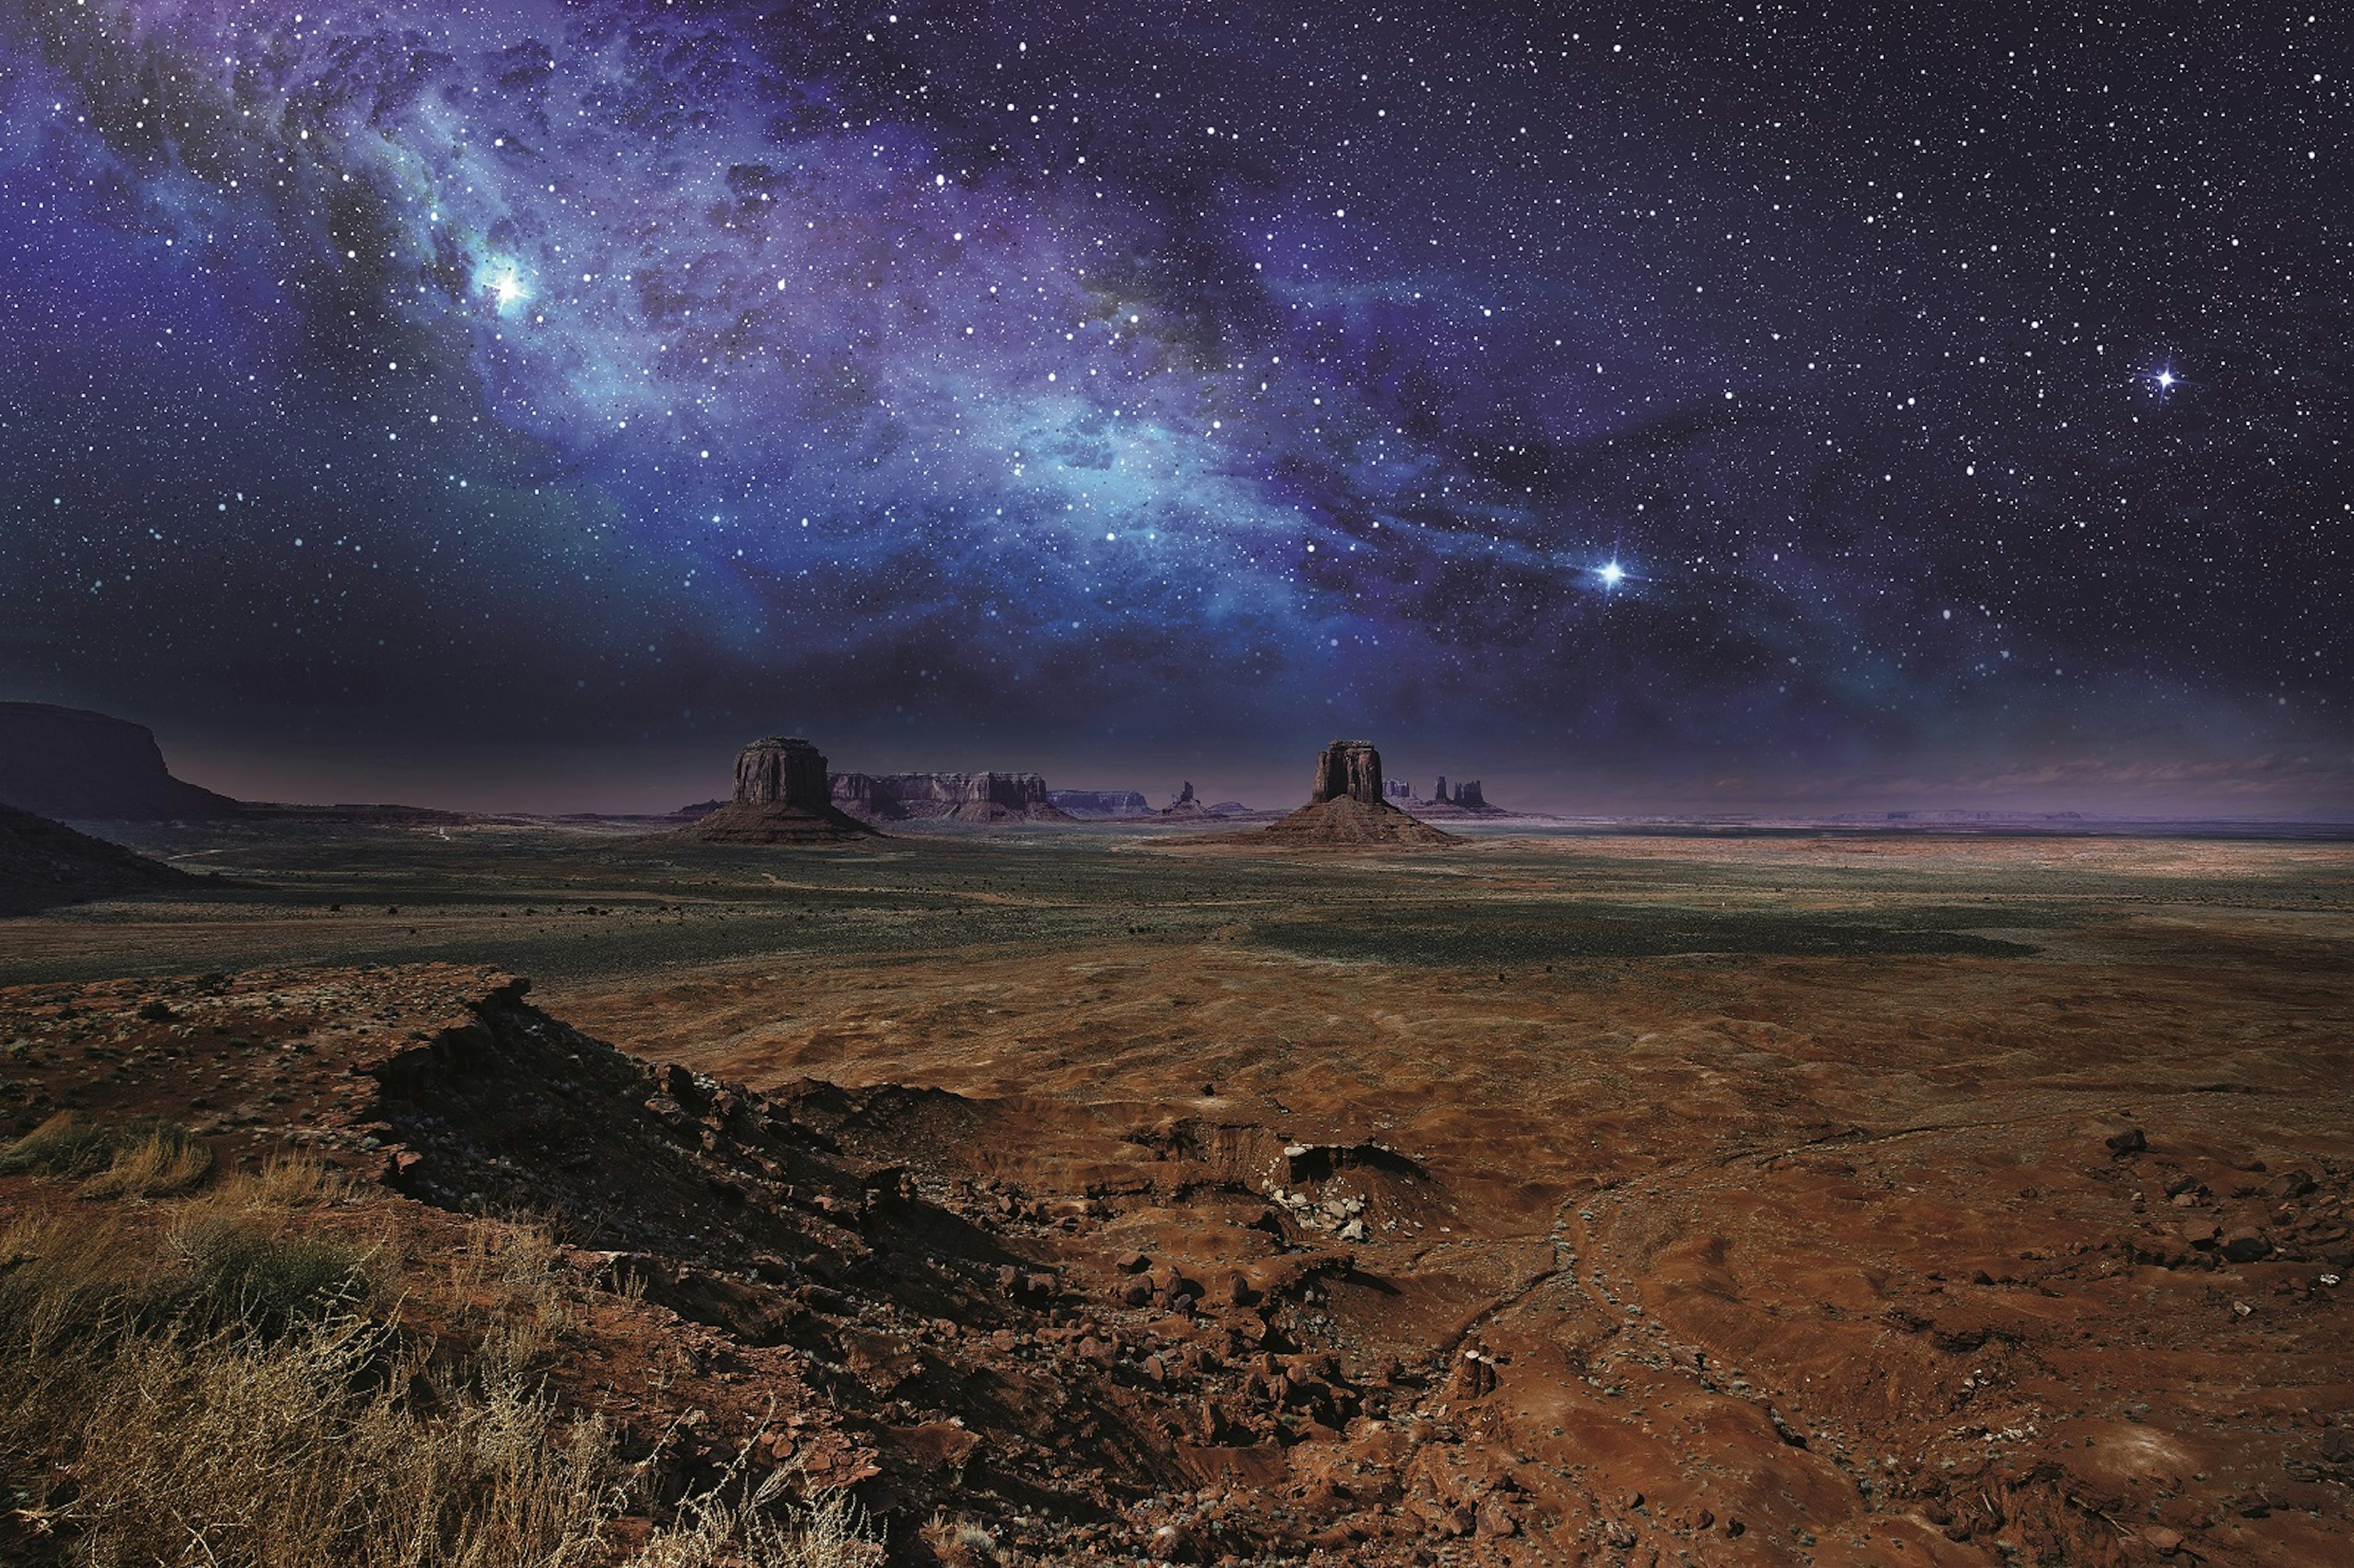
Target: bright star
column 499, row 280
column 1612, row 575
column 2165, row 380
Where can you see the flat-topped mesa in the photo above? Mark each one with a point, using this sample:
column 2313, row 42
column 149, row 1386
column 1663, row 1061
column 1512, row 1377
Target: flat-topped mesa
column 781, row 771
column 944, row 797
column 73, row 765
column 1349, row 769
column 1348, row 808
column 780, row 798
column 1089, row 805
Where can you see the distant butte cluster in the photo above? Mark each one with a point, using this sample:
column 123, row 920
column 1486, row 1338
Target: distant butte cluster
column 1465, row 800
column 786, row 794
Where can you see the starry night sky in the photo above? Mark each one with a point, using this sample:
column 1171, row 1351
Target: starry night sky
column 1726, row 406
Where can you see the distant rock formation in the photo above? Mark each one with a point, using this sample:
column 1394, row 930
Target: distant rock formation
column 1184, row 804
column 1466, row 800
column 1396, row 789
column 1097, row 805
column 1347, row 807
column 78, row 765
column 780, row 798
column 45, row 863
column 944, row 797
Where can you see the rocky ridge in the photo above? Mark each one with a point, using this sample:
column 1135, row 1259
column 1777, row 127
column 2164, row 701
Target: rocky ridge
column 45, row 863
column 848, row 1298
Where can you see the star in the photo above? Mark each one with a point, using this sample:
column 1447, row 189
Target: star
column 1612, row 574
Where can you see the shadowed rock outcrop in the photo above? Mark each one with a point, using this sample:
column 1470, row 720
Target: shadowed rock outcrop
column 80, row 765
column 45, row 863
column 780, row 798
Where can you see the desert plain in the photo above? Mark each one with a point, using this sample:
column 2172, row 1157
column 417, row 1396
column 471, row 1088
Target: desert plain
column 1557, row 1197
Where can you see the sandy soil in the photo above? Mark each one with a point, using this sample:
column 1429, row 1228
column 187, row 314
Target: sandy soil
column 1752, row 1200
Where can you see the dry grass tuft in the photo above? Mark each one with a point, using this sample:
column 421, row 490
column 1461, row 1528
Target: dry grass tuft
column 240, row 1389
column 68, row 1144
column 303, row 1450
column 285, row 1182
column 736, row 1525
column 154, row 1166
column 148, row 1157
column 959, row 1543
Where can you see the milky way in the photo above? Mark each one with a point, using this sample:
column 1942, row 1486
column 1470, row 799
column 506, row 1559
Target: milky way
column 1736, row 399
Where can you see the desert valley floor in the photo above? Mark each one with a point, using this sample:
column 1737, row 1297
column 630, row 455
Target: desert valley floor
column 1803, row 1198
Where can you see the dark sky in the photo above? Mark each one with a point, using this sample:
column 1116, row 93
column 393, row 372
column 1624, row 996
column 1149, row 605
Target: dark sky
column 1719, row 406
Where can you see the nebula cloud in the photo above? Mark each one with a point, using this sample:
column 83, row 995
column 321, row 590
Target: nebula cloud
column 651, row 369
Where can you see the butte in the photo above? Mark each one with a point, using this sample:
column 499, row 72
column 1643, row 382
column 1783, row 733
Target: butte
column 1345, row 808
column 781, row 798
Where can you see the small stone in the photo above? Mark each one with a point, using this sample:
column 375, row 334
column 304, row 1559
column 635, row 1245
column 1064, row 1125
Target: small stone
column 2164, row 1542
column 2126, row 1144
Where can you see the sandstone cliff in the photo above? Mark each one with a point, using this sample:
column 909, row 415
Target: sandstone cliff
column 944, row 797
column 1097, row 804
column 78, row 765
